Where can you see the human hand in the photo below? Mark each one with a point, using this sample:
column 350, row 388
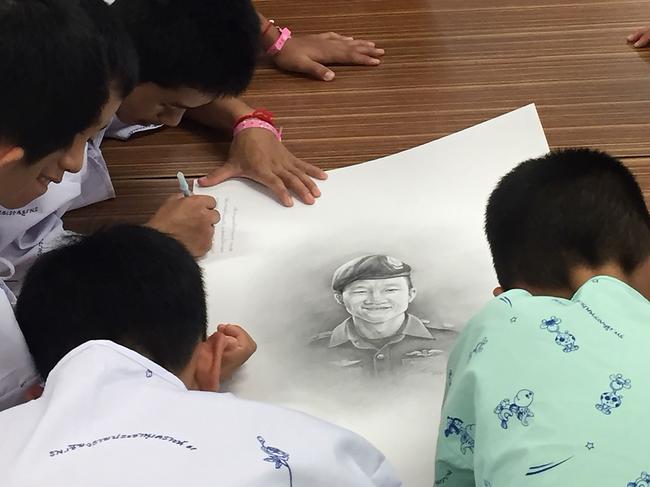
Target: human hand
column 258, row 155
column 308, row 54
column 189, row 220
column 239, row 348
column 641, row 37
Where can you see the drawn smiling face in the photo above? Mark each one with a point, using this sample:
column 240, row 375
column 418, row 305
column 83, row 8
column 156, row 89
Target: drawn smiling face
column 524, row 398
column 378, row 300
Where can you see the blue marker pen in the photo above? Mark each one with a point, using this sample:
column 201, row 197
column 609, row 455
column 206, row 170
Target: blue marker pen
column 182, row 182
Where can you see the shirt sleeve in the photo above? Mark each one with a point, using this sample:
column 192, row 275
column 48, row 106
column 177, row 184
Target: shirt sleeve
column 17, row 371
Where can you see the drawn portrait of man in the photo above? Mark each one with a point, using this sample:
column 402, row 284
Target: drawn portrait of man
column 380, row 335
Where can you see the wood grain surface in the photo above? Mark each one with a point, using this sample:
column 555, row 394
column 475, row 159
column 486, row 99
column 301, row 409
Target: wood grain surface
column 449, row 64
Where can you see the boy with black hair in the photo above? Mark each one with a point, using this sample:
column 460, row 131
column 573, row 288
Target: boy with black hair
column 195, row 57
column 36, row 226
column 50, row 57
column 126, row 362
column 550, row 380
column 40, row 38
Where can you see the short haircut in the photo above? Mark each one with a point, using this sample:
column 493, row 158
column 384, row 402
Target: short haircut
column 120, row 56
column 207, row 45
column 129, row 284
column 570, row 208
column 53, row 80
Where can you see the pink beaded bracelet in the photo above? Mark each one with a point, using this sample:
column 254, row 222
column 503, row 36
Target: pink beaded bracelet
column 256, row 123
column 285, row 35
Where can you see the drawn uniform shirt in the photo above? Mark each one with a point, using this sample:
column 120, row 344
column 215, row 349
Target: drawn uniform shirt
column 28, row 232
column 109, row 416
column 417, row 345
column 546, row 392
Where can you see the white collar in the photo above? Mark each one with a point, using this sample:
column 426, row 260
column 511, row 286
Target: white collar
column 115, row 352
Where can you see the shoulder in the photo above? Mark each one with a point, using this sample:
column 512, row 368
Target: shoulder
column 321, row 337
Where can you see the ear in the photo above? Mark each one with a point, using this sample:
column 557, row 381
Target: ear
column 498, row 291
column 10, row 154
column 339, row 298
column 412, row 293
column 208, row 364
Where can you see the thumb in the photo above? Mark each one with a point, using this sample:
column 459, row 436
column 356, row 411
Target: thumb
column 317, row 70
column 219, row 175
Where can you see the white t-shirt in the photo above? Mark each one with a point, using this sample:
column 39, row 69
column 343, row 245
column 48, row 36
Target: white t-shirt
column 110, row 416
column 17, row 371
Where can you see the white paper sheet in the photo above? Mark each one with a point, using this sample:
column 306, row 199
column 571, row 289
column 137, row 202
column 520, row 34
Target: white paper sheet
column 271, row 270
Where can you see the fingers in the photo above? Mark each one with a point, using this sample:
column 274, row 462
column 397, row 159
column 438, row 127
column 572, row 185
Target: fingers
column 640, row 38
column 298, row 187
column 219, row 175
column 309, row 183
column 315, row 70
column 312, row 171
column 238, row 334
column 203, row 200
column 276, row 185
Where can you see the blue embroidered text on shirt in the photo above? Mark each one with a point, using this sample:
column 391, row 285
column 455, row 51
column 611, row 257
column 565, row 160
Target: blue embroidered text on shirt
column 456, row 427
column 642, row 481
column 563, row 338
column 519, row 407
column 450, row 374
column 612, row 399
column 276, row 456
column 20, row 212
column 478, row 348
column 605, row 326
column 144, row 436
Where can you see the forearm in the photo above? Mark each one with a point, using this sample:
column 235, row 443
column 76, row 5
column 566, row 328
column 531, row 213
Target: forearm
column 221, row 114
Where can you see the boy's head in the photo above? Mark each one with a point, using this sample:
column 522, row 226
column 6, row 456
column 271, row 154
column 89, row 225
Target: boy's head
column 566, row 215
column 129, row 284
column 190, row 51
column 57, row 60
column 374, row 288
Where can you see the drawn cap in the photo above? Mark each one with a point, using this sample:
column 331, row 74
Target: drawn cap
column 368, row 267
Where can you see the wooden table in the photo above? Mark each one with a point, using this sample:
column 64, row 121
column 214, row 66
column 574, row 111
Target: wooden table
column 449, row 65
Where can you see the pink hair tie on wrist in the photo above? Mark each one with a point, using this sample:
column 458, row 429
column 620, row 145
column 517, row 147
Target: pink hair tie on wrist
column 256, row 123
column 285, row 35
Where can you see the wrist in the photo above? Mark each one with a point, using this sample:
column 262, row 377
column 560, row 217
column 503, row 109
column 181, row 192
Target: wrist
column 269, row 35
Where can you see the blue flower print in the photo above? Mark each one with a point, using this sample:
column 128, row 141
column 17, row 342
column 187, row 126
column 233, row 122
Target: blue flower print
column 276, row 456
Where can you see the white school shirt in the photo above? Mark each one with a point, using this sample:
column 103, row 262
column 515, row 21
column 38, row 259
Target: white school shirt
column 109, row 416
column 17, row 370
column 28, row 232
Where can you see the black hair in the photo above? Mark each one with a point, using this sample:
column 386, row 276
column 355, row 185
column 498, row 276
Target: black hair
column 129, row 284
column 53, row 79
column 575, row 207
column 121, row 58
column 207, row 45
